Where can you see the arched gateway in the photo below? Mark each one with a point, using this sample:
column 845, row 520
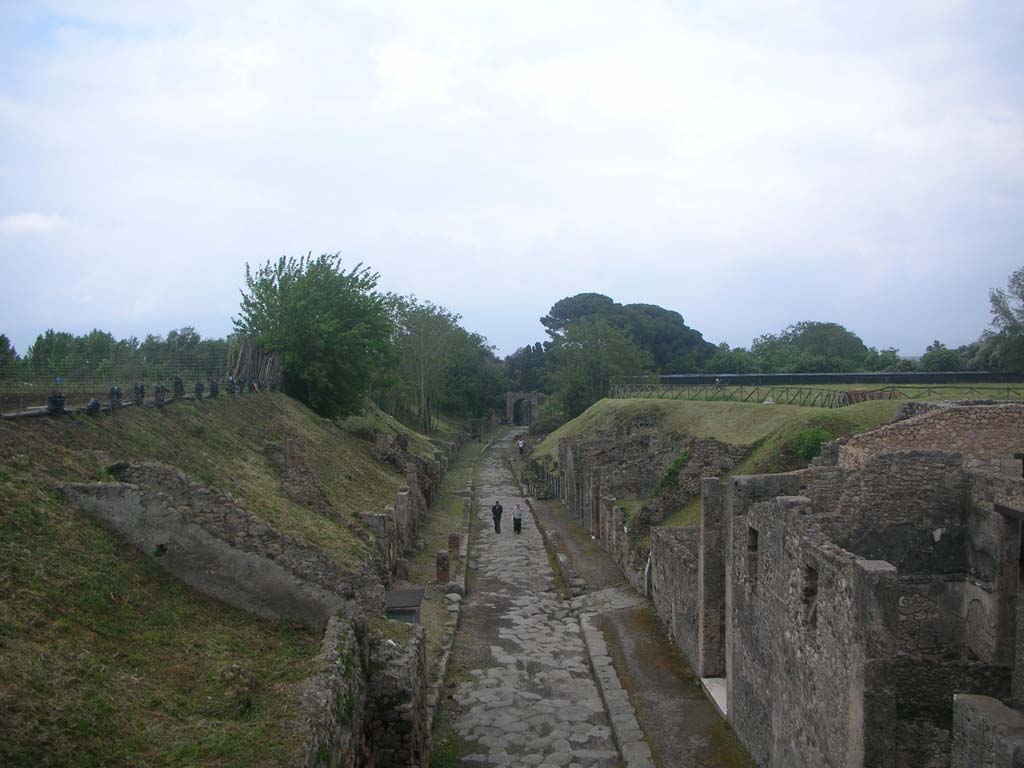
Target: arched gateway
column 521, row 407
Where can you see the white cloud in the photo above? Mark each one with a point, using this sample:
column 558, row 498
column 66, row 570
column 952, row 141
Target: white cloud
column 31, row 223
column 749, row 168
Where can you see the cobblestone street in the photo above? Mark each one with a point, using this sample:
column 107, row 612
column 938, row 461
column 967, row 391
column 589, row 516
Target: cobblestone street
column 530, row 698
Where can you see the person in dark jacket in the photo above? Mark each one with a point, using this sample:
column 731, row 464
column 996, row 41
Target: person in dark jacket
column 496, row 511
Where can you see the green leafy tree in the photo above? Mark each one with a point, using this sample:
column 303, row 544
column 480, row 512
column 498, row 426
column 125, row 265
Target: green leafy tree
column 1002, row 349
column 331, row 327
column 425, row 340
column 587, row 357
column 473, row 379
column 528, row 368
column 726, row 360
column 939, row 357
column 887, row 359
column 810, row 347
column 8, row 355
column 674, row 347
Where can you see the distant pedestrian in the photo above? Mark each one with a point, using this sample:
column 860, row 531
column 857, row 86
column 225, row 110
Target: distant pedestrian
column 517, row 518
column 496, row 511
column 522, row 446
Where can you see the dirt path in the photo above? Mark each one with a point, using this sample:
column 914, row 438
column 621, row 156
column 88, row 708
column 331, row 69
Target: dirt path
column 681, row 726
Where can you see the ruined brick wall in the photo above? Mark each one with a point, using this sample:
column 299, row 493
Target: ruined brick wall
column 986, row 733
column 808, row 622
column 630, row 463
column 913, row 574
column 396, row 713
column 674, row 585
column 907, row 508
column 984, row 434
column 208, row 542
column 334, row 700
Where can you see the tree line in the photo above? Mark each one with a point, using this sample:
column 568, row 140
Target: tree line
column 592, row 339
column 342, row 341
column 339, row 338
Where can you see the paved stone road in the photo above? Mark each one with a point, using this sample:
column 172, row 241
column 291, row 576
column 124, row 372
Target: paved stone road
column 531, row 699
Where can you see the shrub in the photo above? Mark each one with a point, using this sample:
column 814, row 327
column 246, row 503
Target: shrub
column 807, row 442
column 671, row 477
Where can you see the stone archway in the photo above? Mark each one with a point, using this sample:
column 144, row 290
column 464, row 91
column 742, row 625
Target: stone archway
column 531, row 402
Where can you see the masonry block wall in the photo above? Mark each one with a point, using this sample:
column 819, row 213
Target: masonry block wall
column 892, row 593
column 675, row 585
column 396, row 708
column 986, row 733
column 799, row 647
column 984, row 434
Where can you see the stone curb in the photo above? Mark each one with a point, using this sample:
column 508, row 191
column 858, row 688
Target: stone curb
column 462, row 576
column 626, row 733
column 629, row 739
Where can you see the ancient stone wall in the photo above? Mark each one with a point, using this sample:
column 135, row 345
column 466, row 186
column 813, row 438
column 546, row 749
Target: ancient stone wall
column 675, row 585
column 800, row 647
column 630, row 463
column 222, row 550
column 891, row 593
column 710, row 658
column 334, row 701
column 986, row 733
column 984, row 434
column 396, row 714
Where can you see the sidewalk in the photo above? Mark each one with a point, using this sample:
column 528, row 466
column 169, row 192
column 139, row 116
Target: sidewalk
column 681, row 726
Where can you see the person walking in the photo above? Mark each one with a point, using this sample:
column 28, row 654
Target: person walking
column 496, row 511
column 517, row 518
column 521, row 445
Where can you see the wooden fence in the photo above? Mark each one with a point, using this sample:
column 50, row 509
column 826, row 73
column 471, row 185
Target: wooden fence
column 813, row 397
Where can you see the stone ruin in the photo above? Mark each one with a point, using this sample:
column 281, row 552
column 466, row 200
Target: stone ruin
column 531, row 401
column 860, row 612
column 367, row 702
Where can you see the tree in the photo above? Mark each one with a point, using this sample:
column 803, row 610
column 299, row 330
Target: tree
column 330, row 327
column 587, row 357
column 8, row 355
column 810, row 347
column 473, row 379
column 938, row 357
column 1002, row 349
column 726, row 360
column 673, row 346
column 425, row 339
column 528, row 368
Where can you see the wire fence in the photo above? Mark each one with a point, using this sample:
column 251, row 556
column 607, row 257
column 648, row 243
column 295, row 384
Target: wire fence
column 79, row 381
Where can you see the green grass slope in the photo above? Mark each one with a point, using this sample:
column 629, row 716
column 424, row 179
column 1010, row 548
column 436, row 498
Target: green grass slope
column 747, row 424
column 107, row 660
column 772, row 432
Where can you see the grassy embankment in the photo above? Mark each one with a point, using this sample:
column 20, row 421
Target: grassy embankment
column 108, row 660
column 769, row 431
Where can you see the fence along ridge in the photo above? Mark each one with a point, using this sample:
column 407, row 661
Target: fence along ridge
column 77, row 381
column 814, row 397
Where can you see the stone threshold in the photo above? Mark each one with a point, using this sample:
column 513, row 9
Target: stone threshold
column 714, row 687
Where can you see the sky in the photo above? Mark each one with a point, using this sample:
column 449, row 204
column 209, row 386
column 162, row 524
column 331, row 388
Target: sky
column 749, row 165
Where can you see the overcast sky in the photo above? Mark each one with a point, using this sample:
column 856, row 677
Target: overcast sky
column 861, row 163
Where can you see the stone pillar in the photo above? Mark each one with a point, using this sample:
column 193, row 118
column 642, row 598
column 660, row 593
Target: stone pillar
column 443, row 563
column 711, row 581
